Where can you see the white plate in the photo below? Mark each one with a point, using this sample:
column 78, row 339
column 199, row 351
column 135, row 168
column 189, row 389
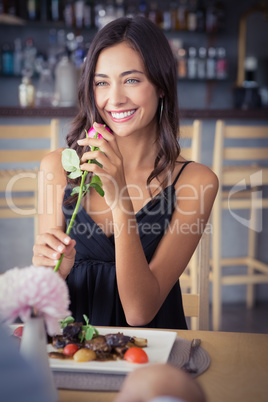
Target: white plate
column 159, row 347
column 158, row 350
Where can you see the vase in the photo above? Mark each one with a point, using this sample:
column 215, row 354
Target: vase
column 34, row 349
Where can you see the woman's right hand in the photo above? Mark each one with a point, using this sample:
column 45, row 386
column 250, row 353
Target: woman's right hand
column 48, row 248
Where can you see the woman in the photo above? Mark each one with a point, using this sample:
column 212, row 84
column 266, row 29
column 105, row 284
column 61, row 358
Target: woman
column 128, row 249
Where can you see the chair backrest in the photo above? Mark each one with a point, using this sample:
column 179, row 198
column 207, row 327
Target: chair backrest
column 196, row 303
column 232, row 150
column 34, row 133
column 19, row 183
column 190, row 141
column 190, row 138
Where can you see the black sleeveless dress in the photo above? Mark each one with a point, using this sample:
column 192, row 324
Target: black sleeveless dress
column 92, row 280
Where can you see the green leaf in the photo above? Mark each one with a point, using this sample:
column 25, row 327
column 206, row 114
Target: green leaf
column 97, row 180
column 98, row 189
column 89, row 333
column 70, row 160
column 75, row 190
column 86, row 319
column 66, row 321
column 74, row 174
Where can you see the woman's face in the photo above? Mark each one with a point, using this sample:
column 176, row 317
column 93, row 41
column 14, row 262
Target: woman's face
column 126, row 100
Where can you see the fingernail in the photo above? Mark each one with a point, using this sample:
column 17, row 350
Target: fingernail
column 67, row 240
column 79, row 142
column 56, row 262
column 60, row 248
column 55, row 255
column 98, row 124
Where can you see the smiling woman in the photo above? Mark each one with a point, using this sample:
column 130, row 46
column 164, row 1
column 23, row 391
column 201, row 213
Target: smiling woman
column 123, row 267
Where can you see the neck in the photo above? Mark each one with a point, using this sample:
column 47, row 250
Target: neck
column 138, row 153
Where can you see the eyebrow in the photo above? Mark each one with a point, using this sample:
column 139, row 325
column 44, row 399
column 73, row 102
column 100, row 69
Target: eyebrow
column 121, row 75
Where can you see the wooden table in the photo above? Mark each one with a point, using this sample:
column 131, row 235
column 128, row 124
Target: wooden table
column 238, row 370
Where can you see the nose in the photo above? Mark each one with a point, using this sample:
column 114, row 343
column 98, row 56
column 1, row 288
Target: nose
column 117, row 95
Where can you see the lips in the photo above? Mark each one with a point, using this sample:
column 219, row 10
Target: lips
column 122, row 115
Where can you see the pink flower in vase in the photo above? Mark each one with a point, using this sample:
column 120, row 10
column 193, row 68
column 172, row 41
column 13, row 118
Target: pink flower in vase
column 39, row 289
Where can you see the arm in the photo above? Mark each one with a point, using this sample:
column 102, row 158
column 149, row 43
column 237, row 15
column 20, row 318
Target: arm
column 52, row 240
column 142, row 287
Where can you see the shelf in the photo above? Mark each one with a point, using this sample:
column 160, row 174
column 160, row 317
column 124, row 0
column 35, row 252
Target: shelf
column 202, row 114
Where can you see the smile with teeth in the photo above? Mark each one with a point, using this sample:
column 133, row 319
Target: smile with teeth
column 122, row 115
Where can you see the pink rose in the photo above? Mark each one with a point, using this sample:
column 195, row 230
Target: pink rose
column 92, row 132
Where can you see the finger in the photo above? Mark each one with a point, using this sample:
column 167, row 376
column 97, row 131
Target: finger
column 44, row 255
column 70, row 250
column 101, row 129
column 57, row 233
column 45, row 251
column 98, row 155
column 41, row 261
column 53, row 242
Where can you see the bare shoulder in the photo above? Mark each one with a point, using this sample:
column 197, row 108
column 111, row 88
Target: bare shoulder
column 51, row 163
column 196, row 173
column 52, row 159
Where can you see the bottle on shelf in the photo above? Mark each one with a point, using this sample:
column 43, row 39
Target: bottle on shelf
column 182, row 64
column 30, row 53
column 17, row 57
column 88, row 14
column 26, row 91
column 221, row 63
column 99, row 11
column 142, row 8
column 211, row 63
column 166, row 18
column 192, row 63
column 55, row 10
column 154, row 14
column 68, row 13
column 173, row 15
column 78, row 55
column 192, row 16
column 79, row 13
column 182, row 16
column 7, row 59
column 45, row 88
column 200, row 17
column 33, row 10
column 211, row 18
column 65, row 82
column 201, row 63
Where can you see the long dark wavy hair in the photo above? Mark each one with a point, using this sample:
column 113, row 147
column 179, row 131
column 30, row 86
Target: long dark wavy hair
column 160, row 66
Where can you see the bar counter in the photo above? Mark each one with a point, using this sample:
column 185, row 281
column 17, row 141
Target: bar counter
column 202, row 114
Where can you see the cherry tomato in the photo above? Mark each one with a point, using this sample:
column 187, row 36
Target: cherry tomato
column 136, row 355
column 70, row 349
column 18, row 332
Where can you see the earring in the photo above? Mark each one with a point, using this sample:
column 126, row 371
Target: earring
column 161, row 109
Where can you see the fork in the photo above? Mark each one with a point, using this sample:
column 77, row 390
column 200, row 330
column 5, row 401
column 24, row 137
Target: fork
column 190, row 366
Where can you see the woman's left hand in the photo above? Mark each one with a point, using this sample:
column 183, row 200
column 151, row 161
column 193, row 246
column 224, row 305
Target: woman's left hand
column 112, row 171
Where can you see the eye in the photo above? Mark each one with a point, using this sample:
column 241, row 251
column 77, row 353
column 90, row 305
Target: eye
column 131, row 81
column 100, row 84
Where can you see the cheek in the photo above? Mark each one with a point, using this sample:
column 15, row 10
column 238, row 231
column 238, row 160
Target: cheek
column 99, row 100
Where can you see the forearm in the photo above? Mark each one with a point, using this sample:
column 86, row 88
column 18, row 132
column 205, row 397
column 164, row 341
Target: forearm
column 138, row 288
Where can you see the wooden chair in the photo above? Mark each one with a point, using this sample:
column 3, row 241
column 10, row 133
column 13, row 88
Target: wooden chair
column 238, row 168
column 18, row 184
column 190, row 141
column 196, row 303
